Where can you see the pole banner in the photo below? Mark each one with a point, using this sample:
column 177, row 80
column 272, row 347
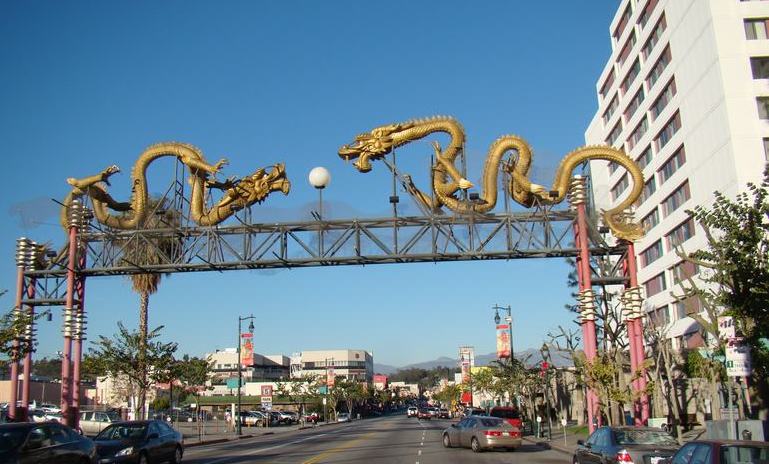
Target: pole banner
column 247, row 349
column 330, row 377
column 503, row 341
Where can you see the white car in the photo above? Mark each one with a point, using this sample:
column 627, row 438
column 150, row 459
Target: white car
column 343, row 417
column 412, row 411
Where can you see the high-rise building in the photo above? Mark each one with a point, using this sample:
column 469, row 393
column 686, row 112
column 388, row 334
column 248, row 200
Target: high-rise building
column 685, row 93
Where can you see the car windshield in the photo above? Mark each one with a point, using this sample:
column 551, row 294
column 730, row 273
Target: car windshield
column 644, row 437
column 12, row 437
column 738, row 454
column 122, row 432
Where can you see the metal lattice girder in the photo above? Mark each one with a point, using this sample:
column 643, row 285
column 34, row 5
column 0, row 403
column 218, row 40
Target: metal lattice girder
column 538, row 233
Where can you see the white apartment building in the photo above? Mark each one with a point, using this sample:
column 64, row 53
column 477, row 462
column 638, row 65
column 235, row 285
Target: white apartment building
column 685, row 93
column 352, row 364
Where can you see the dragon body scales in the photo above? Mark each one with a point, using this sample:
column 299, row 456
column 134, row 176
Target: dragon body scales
column 239, row 193
column 447, row 180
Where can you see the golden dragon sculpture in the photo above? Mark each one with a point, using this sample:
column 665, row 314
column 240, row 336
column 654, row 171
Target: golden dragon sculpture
column 447, row 180
column 238, row 193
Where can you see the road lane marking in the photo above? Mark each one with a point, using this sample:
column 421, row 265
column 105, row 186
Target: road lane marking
column 419, row 453
column 337, row 449
column 269, row 448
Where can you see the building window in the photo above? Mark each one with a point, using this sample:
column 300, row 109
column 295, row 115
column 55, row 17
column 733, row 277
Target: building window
column 687, row 306
column 638, row 132
column 626, row 49
column 612, row 167
column 649, row 187
column 755, row 28
column 634, row 104
column 683, row 271
column 646, row 13
column 680, row 234
column 676, row 199
column 659, row 317
column 651, row 254
column 620, row 187
column 631, row 75
column 667, row 132
column 659, row 67
column 763, row 107
column 614, row 134
column 645, row 158
column 654, row 38
column 662, row 101
column 655, row 285
column 760, row 67
column 672, row 165
column 622, row 23
column 650, row 220
column 766, row 149
column 610, row 109
column 607, row 85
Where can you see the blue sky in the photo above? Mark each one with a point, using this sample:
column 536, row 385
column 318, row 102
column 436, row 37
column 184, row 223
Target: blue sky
column 89, row 84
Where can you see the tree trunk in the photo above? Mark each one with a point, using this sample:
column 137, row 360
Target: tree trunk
column 143, row 316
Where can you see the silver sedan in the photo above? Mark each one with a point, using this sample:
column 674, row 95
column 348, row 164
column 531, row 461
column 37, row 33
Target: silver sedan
column 481, row 432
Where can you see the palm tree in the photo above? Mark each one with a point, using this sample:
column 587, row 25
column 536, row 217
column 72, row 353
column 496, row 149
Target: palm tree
column 142, row 250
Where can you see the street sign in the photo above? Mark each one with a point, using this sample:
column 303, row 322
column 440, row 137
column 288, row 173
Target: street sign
column 232, row 383
column 726, row 329
column 738, row 361
column 539, row 418
column 563, row 422
column 266, row 390
column 267, row 402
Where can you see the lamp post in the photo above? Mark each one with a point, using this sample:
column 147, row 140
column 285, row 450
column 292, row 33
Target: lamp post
column 238, row 416
column 319, row 178
column 509, row 320
column 545, row 352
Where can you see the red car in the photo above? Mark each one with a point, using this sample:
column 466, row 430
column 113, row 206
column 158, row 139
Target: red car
column 510, row 414
column 424, row 414
column 720, row 452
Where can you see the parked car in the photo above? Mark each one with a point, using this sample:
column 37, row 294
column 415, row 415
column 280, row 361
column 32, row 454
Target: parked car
column 411, row 411
column 720, row 452
column 254, row 419
column 287, row 417
column 508, row 413
column 624, row 444
column 474, row 412
column 48, row 407
column 93, row 422
column 481, row 433
column 139, row 442
column 312, row 417
column 43, row 443
column 343, row 417
column 443, row 413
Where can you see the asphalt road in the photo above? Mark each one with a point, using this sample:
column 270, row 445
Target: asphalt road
column 394, row 439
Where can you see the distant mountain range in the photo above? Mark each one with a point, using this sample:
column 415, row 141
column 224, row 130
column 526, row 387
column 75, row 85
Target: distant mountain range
column 530, row 357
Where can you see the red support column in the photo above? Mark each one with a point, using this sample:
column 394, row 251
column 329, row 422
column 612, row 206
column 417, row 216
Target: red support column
column 635, row 334
column 30, row 339
column 66, row 361
column 21, row 259
column 587, row 303
column 78, row 342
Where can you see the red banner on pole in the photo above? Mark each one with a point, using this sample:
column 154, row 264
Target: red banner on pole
column 330, row 376
column 503, row 341
column 247, row 349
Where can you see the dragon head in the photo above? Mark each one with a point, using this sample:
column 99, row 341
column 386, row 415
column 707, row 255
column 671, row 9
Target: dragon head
column 256, row 187
column 372, row 145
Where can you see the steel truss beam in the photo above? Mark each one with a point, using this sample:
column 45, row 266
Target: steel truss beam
column 539, row 233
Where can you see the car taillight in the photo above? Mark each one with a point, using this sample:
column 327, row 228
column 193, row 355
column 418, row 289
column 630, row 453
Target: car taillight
column 624, row 456
column 514, row 434
column 492, row 433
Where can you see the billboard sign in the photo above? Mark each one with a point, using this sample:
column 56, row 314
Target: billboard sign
column 503, row 341
column 247, row 349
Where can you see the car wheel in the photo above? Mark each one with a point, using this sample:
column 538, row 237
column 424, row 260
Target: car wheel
column 446, row 441
column 177, row 455
column 143, row 459
column 475, row 445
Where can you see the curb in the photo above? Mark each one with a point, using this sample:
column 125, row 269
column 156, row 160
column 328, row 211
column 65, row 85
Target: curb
column 550, row 446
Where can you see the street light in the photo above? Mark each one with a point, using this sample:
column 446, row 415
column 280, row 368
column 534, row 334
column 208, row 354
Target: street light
column 319, row 178
column 509, row 320
column 238, row 416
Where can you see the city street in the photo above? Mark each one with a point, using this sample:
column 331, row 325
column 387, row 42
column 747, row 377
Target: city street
column 394, row 439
